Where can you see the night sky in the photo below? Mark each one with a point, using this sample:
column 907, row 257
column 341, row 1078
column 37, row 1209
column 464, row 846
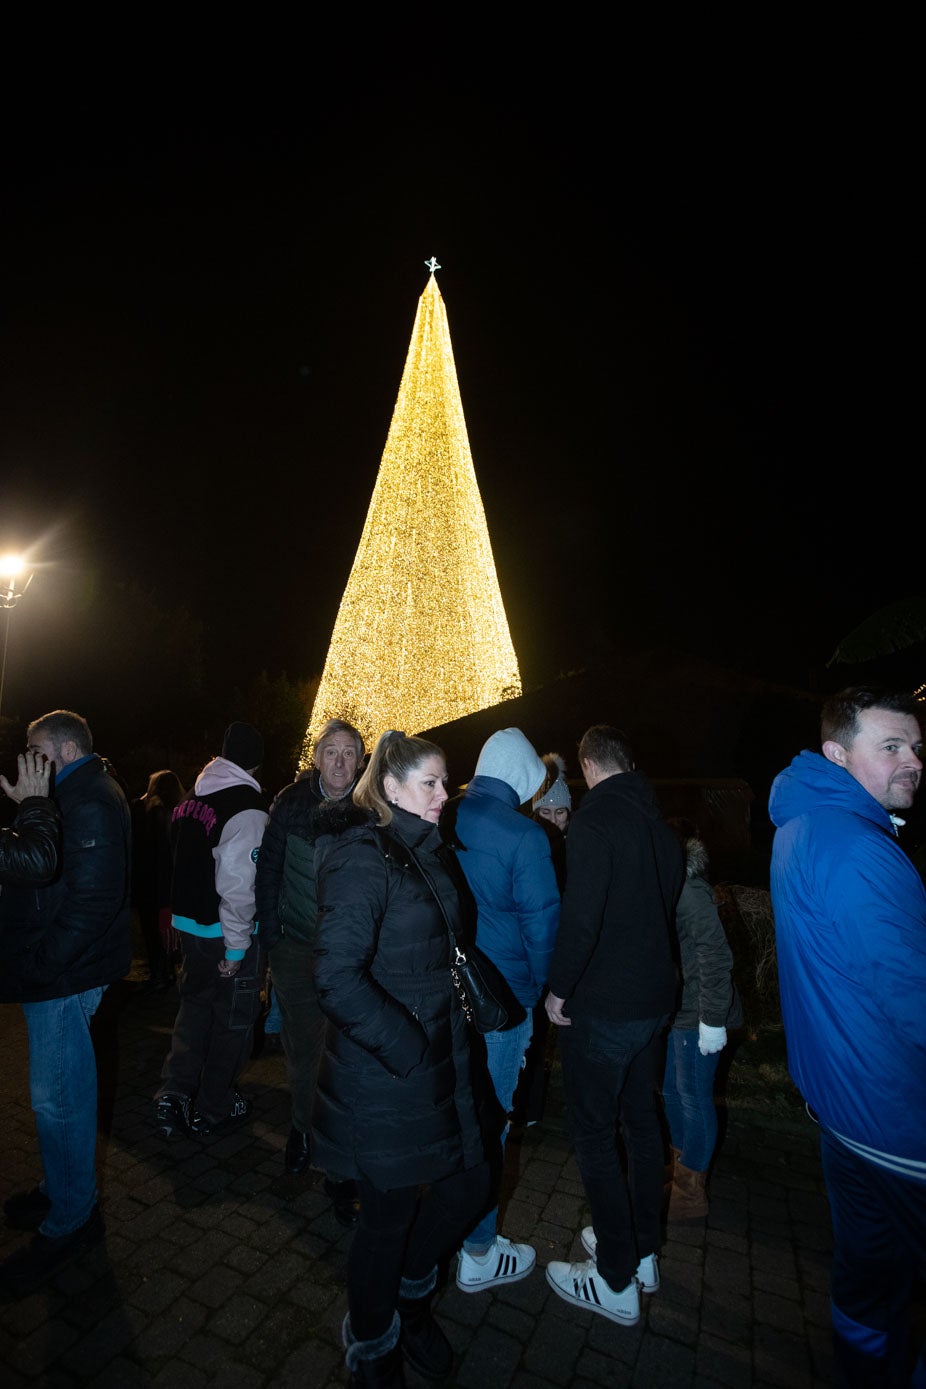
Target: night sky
column 676, row 321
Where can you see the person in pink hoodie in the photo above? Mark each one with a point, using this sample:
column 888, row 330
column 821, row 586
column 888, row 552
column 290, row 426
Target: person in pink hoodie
column 215, row 836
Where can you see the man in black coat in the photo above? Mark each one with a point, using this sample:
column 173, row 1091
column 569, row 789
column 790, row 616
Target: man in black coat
column 287, row 910
column 60, row 947
column 613, row 987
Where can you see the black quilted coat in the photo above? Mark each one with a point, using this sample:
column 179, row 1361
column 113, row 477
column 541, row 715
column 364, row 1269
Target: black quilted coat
column 402, row 1096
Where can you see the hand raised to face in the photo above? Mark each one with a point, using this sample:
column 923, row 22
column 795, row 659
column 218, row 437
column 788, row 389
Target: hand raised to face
column 33, row 780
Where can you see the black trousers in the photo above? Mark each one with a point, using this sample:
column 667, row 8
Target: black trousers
column 405, row 1233
column 214, row 1027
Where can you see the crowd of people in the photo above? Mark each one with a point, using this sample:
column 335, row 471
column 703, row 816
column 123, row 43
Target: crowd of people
column 381, row 910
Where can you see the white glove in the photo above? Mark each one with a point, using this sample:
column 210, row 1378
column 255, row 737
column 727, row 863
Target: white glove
column 711, row 1039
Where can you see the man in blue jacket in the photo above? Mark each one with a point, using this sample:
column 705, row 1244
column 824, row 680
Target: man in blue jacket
column 850, row 922
column 506, row 858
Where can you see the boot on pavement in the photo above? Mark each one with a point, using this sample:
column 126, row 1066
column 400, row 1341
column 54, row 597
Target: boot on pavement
column 374, row 1364
column 688, row 1198
column 423, row 1343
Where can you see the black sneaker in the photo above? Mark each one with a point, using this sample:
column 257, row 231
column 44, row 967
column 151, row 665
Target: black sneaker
column 43, row 1256
column 26, row 1209
column 202, row 1126
column 172, row 1115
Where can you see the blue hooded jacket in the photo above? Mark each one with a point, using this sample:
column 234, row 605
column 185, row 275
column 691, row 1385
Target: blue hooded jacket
column 850, row 925
column 506, row 858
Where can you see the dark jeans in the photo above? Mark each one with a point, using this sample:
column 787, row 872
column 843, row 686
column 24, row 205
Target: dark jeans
column 303, row 1029
column 214, row 1027
column 404, row 1233
column 609, row 1075
column 879, row 1247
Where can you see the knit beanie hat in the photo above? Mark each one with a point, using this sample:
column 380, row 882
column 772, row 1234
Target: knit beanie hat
column 557, row 795
column 509, row 757
column 243, row 745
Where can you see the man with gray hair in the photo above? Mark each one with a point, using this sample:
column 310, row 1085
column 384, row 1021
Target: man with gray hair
column 61, row 945
column 287, row 910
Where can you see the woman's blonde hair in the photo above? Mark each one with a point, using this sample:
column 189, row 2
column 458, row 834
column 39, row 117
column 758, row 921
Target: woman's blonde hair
column 394, row 755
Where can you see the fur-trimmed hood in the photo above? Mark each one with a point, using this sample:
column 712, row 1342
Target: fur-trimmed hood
column 336, row 817
column 697, row 861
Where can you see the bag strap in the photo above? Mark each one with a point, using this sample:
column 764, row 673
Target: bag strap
column 386, row 841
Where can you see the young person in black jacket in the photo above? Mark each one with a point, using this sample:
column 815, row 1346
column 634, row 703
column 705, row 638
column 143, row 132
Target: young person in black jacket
column 613, row 985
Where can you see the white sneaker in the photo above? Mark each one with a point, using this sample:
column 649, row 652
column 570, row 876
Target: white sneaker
column 582, row 1284
column 505, row 1262
column 647, row 1269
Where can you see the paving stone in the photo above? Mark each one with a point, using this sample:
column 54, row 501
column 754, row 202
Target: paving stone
column 595, row 1368
column 158, row 1291
column 671, row 1319
column 166, row 1333
column 663, row 1363
column 728, row 1316
column 723, row 1362
column 492, row 1358
column 554, row 1349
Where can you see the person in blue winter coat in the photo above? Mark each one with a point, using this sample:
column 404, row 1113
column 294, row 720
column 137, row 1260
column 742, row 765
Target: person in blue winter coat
column 505, row 856
column 850, row 924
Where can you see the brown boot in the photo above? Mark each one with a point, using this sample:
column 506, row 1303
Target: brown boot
column 688, row 1200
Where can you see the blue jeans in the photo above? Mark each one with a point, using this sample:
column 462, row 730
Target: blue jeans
column 609, row 1076
column 688, row 1096
column 879, row 1246
column 62, row 1088
column 505, row 1054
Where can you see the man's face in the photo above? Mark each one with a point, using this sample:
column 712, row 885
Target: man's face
column 336, row 760
column 884, row 757
column 44, row 746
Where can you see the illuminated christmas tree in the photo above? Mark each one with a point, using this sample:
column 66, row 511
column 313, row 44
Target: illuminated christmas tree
column 421, row 635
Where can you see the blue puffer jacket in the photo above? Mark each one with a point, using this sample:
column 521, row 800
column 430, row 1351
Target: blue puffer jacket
column 850, row 925
column 506, row 859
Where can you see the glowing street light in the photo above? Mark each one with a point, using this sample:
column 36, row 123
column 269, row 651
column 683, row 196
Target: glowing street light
column 12, row 588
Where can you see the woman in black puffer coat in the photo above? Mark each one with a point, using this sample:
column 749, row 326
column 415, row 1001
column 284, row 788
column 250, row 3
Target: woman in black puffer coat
column 401, row 1103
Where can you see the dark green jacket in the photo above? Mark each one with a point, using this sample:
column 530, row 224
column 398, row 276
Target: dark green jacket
column 286, row 904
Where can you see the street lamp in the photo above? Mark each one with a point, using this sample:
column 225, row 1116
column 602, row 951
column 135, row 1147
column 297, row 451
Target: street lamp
column 12, row 588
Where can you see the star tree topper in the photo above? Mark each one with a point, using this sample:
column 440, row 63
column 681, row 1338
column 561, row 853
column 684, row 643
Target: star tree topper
column 432, row 264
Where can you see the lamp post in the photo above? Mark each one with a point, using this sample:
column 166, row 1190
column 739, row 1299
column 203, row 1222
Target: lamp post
column 12, row 588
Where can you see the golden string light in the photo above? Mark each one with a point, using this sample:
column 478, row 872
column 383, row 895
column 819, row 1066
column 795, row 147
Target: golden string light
column 421, row 635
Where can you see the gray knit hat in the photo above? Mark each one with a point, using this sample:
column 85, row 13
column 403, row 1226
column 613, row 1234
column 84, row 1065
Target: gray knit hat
column 557, row 795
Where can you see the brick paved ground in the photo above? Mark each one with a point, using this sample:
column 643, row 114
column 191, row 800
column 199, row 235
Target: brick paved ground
column 219, row 1269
